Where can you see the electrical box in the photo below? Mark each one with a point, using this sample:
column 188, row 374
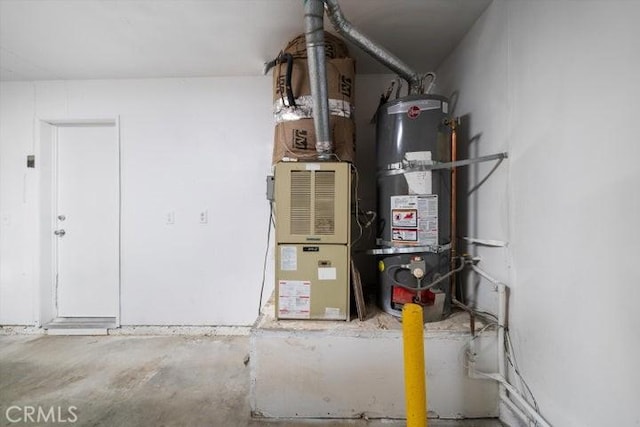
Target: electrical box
column 313, row 238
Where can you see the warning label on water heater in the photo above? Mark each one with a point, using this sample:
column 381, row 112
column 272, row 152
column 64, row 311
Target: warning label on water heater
column 405, row 235
column 414, row 219
column 404, row 218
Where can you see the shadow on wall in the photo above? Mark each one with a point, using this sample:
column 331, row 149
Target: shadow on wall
column 466, row 283
column 464, row 224
column 366, row 191
column 469, row 181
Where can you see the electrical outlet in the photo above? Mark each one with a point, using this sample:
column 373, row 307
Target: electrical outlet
column 204, row 216
column 170, row 217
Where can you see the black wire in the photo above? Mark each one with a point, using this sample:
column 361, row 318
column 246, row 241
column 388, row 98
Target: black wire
column 266, row 255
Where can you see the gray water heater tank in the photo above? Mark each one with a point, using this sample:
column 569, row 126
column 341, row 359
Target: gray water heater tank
column 415, row 127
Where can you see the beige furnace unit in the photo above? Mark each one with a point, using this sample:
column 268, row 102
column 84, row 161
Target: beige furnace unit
column 313, row 233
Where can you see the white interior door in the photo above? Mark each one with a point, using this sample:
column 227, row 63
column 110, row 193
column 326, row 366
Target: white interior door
column 87, row 219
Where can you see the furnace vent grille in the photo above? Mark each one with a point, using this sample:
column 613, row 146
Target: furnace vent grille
column 324, row 206
column 300, row 215
column 313, row 202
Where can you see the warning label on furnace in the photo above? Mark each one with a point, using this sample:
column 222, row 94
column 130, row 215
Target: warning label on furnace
column 294, row 299
column 414, row 219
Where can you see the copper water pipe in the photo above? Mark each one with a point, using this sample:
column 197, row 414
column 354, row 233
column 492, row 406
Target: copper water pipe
column 453, row 204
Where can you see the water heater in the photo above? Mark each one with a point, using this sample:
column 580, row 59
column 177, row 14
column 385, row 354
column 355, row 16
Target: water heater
column 413, row 136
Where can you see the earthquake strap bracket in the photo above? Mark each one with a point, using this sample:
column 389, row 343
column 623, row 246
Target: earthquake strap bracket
column 407, row 166
column 392, row 250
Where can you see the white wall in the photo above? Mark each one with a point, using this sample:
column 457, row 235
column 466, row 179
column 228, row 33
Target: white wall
column 555, row 83
column 17, row 207
column 187, row 145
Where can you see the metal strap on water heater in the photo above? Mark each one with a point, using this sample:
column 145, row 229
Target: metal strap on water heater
column 394, row 250
column 407, row 166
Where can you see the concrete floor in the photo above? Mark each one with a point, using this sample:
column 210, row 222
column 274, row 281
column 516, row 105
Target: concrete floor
column 141, row 381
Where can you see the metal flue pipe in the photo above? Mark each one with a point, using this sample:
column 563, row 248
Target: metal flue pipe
column 348, row 31
column 314, row 35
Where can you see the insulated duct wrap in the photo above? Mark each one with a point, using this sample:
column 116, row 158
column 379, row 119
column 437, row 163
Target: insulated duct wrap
column 293, row 104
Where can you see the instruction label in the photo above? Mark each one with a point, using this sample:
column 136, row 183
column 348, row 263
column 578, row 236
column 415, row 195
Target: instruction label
column 414, row 219
column 327, row 273
column 288, row 258
column 294, row 299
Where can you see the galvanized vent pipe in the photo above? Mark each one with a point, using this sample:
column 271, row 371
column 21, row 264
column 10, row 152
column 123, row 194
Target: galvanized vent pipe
column 379, row 53
column 314, row 34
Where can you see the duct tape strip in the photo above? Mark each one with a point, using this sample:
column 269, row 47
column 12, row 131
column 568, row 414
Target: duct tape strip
column 304, row 109
column 323, row 146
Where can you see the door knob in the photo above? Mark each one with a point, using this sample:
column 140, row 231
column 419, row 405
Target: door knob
column 60, row 232
column 61, row 217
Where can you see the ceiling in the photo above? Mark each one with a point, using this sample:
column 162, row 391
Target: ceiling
column 106, row 39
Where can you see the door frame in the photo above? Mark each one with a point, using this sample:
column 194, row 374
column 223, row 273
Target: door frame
column 46, row 167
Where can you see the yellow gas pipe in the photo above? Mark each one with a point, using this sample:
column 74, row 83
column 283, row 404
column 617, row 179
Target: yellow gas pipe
column 415, row 387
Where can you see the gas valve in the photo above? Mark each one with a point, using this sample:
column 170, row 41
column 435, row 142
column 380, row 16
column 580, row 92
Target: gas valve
column 417, row 267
